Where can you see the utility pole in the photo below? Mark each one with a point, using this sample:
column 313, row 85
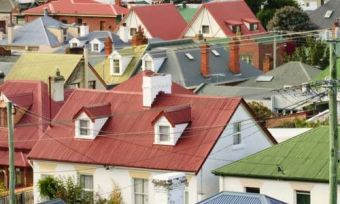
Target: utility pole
column 333, row 126
column 11, row 153
column 274, row 51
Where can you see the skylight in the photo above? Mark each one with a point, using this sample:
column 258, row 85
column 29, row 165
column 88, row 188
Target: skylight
column 189, row 56
column 264, row 78
column 328, row 13
column 215, row 53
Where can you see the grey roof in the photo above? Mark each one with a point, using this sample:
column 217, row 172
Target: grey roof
column 291, row 74
column 318, row 16
column 5, row 67
column 7, row 6
column 36, row 32
column 187, row 71
column 240, row 198
column 231, row 91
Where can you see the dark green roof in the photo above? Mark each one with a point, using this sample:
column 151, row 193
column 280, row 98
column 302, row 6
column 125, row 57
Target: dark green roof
column 187, row 13
column 302, row 158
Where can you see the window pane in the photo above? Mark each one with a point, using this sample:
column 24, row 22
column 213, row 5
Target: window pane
column 302, row 197
column 164, row 133
column 252, row 190
column 148, row 64
column 133, row 31
column 141, row 190
column 205, row 29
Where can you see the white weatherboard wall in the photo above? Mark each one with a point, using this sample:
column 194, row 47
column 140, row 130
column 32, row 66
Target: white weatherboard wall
column 281, row 190
column 133, row 21
column 224, row 152
column 205, row 18
column 200, row 186
column 100, row 45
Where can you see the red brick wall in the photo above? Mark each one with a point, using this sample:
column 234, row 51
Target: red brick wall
column 279, row 121
column 92, row 22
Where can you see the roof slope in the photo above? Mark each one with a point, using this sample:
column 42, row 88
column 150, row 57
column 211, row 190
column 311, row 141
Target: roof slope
column 291, row 73
column 302, row 158
column 35, row 33
column 187, row 71
column 125, row 139
column 39, row 66
column 7, row 6
column 187, row 13
column 230, row 11
column 240, row 198
column 162, row 20
column 76, row 7
column 318, row 15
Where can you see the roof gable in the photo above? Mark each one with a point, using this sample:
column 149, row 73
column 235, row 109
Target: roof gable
column 161, row 21
column 175, row 115
column 301, row 158
column 95, row 111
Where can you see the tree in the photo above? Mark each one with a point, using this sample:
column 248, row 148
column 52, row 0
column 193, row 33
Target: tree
column 290, row 18
column 261, row 112
column 2, row 188
column 313, row 52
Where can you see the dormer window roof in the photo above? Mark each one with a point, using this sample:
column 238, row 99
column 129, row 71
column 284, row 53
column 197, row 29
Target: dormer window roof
column 95, row 111
column 251, row 20
column 176, row 115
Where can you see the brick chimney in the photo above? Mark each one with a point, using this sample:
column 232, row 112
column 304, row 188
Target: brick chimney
column 108, row 46
column 205, row 59
column 139, row 38
column 234, row 56
column 267, row 63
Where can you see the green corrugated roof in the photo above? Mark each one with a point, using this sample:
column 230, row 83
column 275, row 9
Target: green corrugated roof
column 325, row 73
column 103, row 68
column 302, row 158
column 187, row 13
column 38, row 66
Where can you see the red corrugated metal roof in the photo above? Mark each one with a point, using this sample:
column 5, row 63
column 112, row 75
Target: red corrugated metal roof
column 95, row 111
column 83, row 7
column 176, row 115
column 229, row 11
column 162, row 20
column 19, row 158
column 127, row 138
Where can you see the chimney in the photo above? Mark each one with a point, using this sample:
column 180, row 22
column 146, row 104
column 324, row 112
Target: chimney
column 124, row 33
column 234, row 56
column 118, row 2
column 83, row 30
column 267, row 63
column 139, row 38
column 205, row 59
column 10, row 33
column 169, row 188
column 86, row 67
column 153, row 84
column 45, row 11
column 108, row 46
column 58, row 87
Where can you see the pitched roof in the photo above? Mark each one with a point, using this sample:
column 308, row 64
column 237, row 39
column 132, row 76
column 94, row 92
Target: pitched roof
column 7, row 6
column 318, row 15
column 225, row 12
column 176, row 115
column 95, row 111
column 102, row 66
column 39, row 66
column 36, row 33
column 291, row 73
column 186, row 71
column 161, row 20
column 78, row 8
column 302, row 158
column 240, row 198
column 125, row 139
column 187, row 13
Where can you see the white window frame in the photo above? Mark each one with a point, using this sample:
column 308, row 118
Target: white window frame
column 163, row 134
column 144, row 194
column 237, row 136
column 74, row 44
column 94, row 46
column 80, row 128
column 87, row 190
column 301, row 192
column 206, row 30
column 146, row 63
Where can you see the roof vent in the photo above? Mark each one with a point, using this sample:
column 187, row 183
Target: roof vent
column 328, row 13
column 216, row 53
column 189, row 56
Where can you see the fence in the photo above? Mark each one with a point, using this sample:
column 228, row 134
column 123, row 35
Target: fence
column 23, row 196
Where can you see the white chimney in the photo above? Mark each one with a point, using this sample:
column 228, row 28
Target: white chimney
column 10, row 34
column 83, row 30
column 58, row 87
column 153, row 84
column 124, row 33
column 86, row 67
column 169, row 188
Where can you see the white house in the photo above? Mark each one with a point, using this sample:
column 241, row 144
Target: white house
column 220, row 19
column 294, row 171
column 144, row 128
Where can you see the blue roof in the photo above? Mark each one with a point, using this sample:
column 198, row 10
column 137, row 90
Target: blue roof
column 240, row 198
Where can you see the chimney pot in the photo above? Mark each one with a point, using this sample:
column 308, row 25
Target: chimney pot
column 234, row 56
column 205, row 70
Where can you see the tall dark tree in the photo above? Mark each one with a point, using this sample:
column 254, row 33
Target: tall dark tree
column 290, row 18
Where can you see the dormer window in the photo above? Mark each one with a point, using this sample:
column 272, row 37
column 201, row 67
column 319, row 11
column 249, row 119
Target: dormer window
column 119, row 61
column 148, row 65
column 90, row 119
column 170, row 124
column 253, row 26
column 74, row 45
column 235, row 28
column 95, row 47
column 84, row 126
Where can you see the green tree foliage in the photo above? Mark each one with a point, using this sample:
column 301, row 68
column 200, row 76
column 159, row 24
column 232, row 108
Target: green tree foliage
column 290, row 18
column 115, row 197
column 298, row 123
column 261, row 112
column 313, row 52
column 265, row 9
column 2, row 188
column 65, row 189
